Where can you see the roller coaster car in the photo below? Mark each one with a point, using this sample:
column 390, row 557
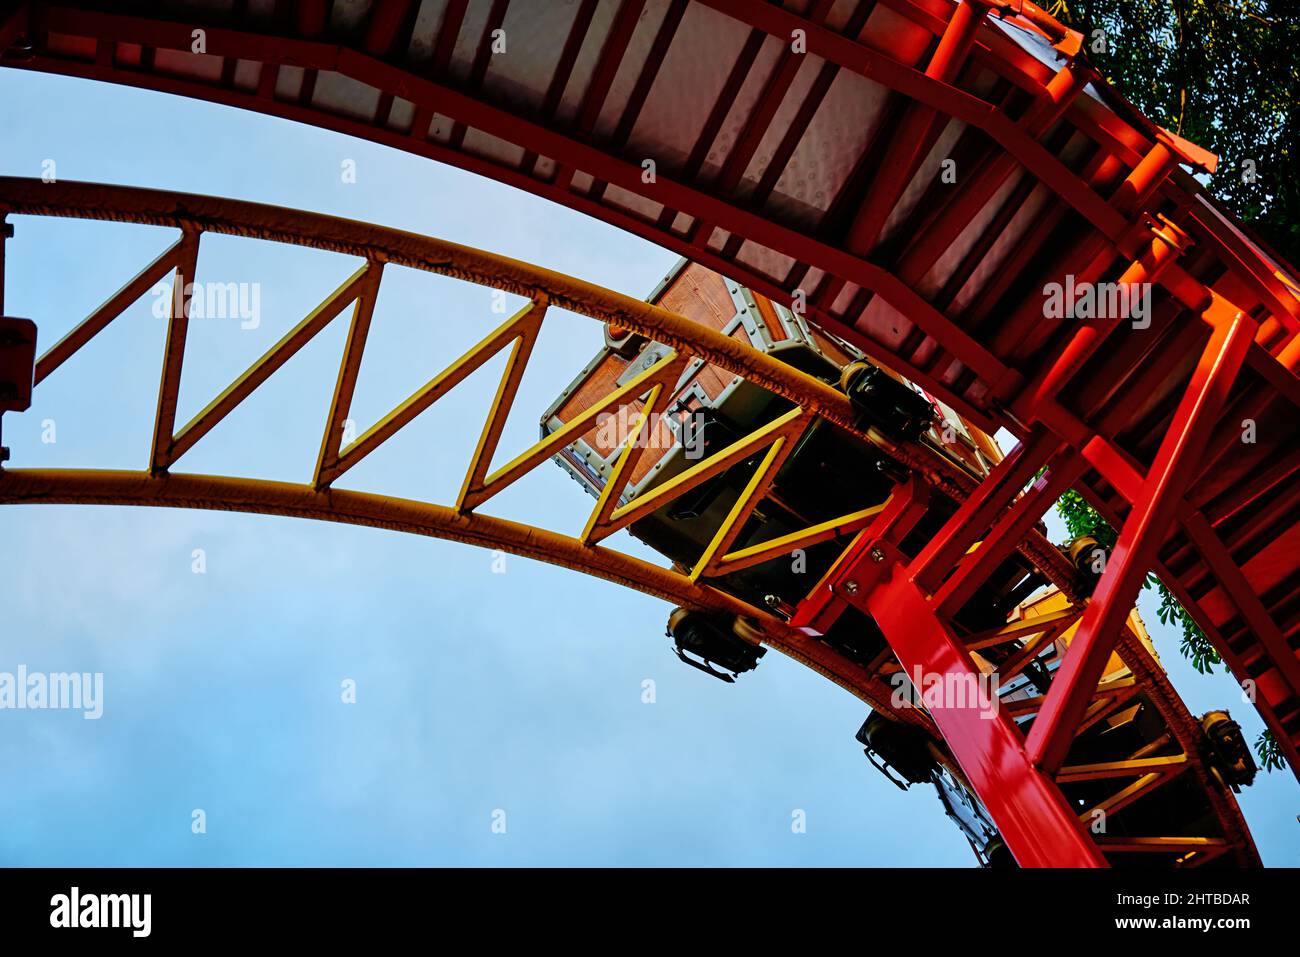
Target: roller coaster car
column 706, row 640
column 1227, row 749
column 828, row 474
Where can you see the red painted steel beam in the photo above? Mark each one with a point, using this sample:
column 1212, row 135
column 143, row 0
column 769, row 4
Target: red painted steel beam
column 501, row 123
column 312, row 16
column 575, row 155
column 482, row 60
column 563, row 70
column 1168, row 244
column 988, row 178
column 1009, row 531
column 904, row 152
column 13, row 24
column 769, row 101
column 803, row 118
column 970, row 109
column 718, row 114
column 1033, row 817
column 1020, row 334
column 825, row 603
column 759, row 121
column 967, row 525
column 1265, row 630
column 1139, row 539
column 383, row 24
column 645, row 81
column 602, row 78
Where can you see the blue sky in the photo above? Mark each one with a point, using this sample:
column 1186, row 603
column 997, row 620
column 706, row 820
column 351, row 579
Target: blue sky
column 476, row 691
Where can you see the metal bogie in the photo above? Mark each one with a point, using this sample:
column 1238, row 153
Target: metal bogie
column 703, row 641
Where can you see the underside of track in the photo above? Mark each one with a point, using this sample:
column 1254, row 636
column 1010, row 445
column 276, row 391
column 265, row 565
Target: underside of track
column 915, row 173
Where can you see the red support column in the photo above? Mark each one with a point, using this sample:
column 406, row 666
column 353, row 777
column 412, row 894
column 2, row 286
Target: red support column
column 1168, row 245
column 1138, row 543
column 982, row 507
column 1016, row 522
column 825, row 603
column 1039, row 826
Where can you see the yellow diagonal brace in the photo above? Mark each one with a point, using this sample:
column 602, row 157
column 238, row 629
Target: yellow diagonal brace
column 1116, row 769
column 164, row 423
column 634, row 445
column 520, row 323
column 804, row 538
column 699, row 473
column 752, row 494
column 273, row 359
column 111, row 308
column 346, row 383
column 1024, row 626
column 499, row 411
column 1017, row 662
column 657, row 374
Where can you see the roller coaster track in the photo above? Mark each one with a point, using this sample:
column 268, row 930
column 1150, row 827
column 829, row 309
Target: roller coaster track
column 798, row 151
column 161, row 485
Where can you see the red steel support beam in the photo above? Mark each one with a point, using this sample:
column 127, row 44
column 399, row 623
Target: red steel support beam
column 1139, row 540
column 1168, row 244
column 981, row 508
column 904, row 152
column 825, row 603
column 988, row 179
column 1011, row 529
column 383, row 26
column 1221, row 564
column 1031, row 813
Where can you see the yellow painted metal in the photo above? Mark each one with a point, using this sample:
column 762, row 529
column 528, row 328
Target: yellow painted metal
column 1133, row 792
column 196, row 214
column 1028, row 625
column 1112, row 769
column 530, row 326
column 1049, row 618
column 638, row 434
column 110, row 309
column 699, row 473
column 1159, row 843
column 663, row 371
column 428, row 394
column 181, row 490
column 349, row 367
column 741, row 509
column 804, row 538
column 164, row 427
column 275, row 357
